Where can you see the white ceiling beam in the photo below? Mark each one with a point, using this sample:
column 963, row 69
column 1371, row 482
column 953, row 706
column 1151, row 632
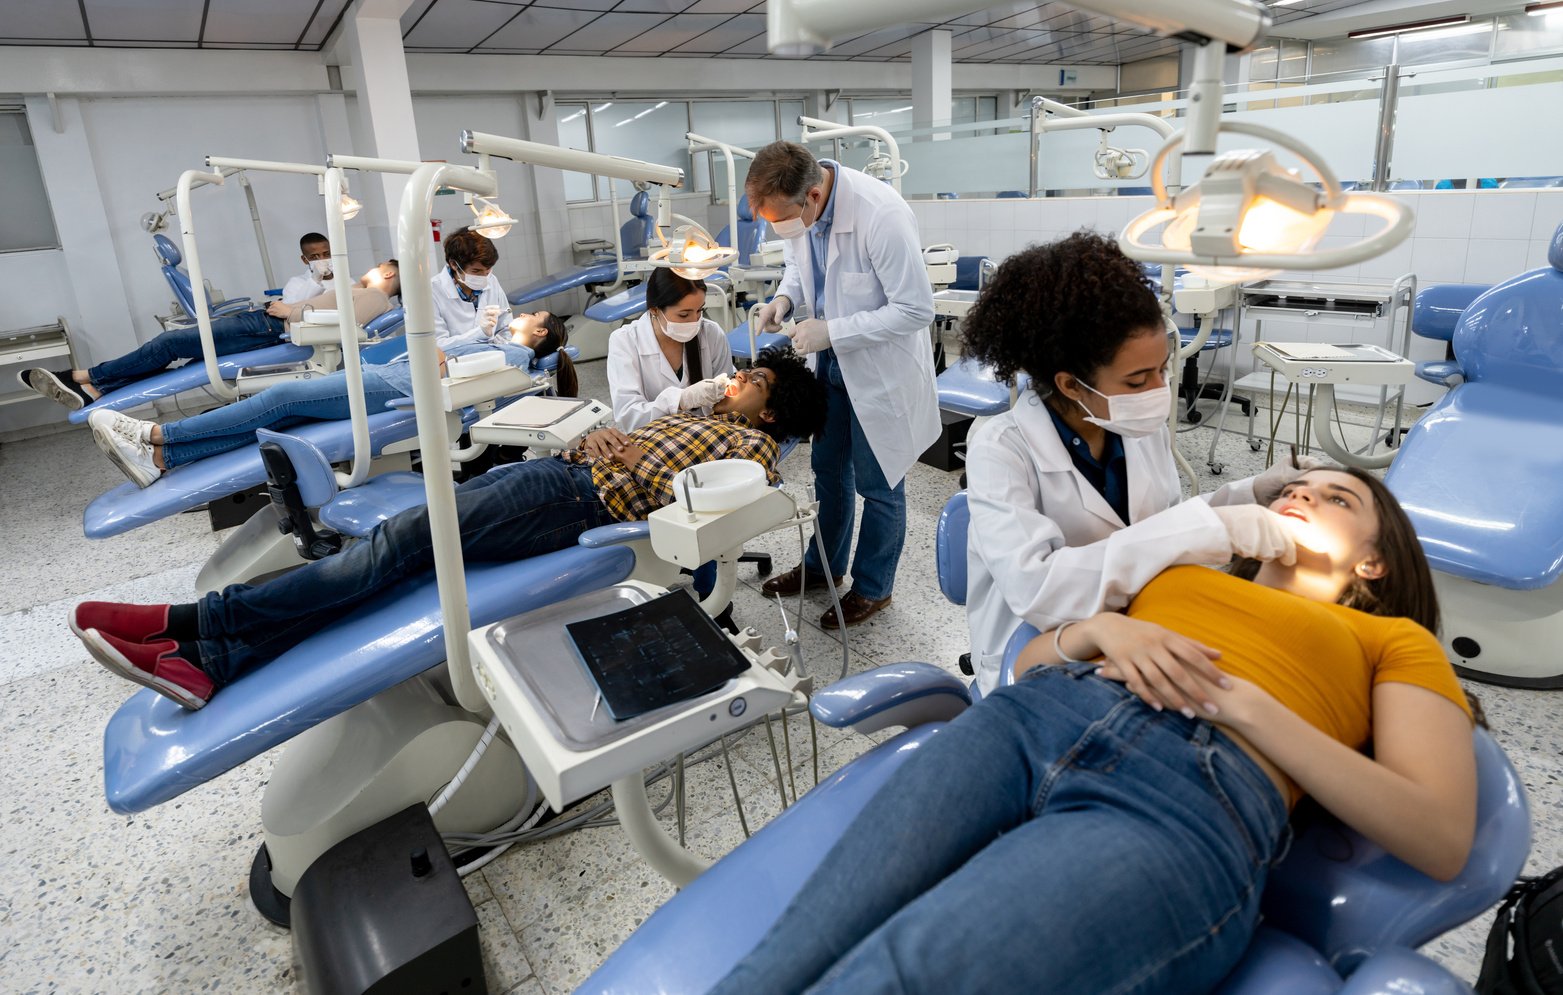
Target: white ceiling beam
column 1383, row 13
column 431, row 73
column 184, row 72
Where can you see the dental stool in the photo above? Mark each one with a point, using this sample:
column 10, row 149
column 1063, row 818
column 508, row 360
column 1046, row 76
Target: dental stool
column 1477, row 475
column 1340, row 915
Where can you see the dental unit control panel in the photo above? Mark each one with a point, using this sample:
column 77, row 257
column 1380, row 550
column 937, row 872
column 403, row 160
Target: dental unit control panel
column 543, row 422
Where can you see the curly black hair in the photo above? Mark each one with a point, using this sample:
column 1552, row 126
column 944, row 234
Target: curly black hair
column 1067, row 306
column 797, row 396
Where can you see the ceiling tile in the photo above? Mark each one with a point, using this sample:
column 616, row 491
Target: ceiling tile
column 724, row 36
column 873, row 40
column 458, row 24
column 414, row 13
column 47, row 42
column 248, row 21
column 725, row 7
column 652, row 6
column 142, row 43
column 608, row 32
column 754, row 46
column 538, row 27
column 31, row 19
column 597, row 5
column 994, row 13
column 326, row 18
column 672, row 33
column 154, row 21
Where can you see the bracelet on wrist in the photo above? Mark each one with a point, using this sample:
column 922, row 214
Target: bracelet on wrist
column 1058, row 647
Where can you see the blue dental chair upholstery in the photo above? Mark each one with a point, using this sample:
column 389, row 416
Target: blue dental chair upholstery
column 1455, row 470
column 179, row 282
column 154, row 751
column 1434, row 315
column 635, row 234
column 967, row 388
column 192, row 375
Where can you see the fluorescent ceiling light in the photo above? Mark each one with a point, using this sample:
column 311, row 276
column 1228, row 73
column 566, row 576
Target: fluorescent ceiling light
column 567, row 119
column 1399, row 29
column 1538, row 9
column 604, row 107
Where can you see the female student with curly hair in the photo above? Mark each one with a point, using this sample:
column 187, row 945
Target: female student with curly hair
column 1075, row 498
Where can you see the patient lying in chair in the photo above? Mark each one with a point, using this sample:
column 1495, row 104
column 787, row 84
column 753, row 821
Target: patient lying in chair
column 1108, row 825
column 143, row 450
column 230, row 334
column 189, row 652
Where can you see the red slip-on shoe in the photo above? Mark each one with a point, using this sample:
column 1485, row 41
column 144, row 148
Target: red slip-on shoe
column 133, row 623
column 158, row 665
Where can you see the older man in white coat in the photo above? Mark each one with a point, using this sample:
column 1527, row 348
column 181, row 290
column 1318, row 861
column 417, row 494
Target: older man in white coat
column 855, row 280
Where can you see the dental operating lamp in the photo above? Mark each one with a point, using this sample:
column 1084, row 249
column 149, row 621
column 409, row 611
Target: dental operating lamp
column 826, row 130
column 699, row 143
column 339, row 208
column 1247, row 216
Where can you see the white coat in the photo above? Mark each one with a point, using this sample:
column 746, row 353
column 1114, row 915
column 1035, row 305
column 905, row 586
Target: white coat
column 302, row 287
column 641, row 382
column 457, row 321
column 879, row 304
column 1045, row 547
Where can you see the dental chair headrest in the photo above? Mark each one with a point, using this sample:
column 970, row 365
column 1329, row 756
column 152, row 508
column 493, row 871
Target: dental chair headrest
column 640, row 204
column 744, row 214
column 167, row 251
column 1555, row 250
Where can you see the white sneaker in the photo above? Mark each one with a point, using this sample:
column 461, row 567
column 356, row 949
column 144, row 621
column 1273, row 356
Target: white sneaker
column 133, row 456
column 132, row 429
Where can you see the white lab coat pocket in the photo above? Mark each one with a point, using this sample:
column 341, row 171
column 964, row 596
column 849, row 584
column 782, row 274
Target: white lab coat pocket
column 859, row 292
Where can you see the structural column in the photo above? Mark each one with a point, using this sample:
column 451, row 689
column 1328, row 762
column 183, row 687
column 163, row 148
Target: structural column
column 931, row 81
column 386, row 128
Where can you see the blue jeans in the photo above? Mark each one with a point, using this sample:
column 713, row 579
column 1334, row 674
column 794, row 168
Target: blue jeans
column 294, row 402
column 511, row 512
column 843, row 461
column 1060, row 836
column 231, row 333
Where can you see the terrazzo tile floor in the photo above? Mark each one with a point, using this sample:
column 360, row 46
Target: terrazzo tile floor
column 157, row 902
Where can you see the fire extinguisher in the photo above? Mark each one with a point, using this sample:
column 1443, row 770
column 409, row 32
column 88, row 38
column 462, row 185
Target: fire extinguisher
column 435, row 223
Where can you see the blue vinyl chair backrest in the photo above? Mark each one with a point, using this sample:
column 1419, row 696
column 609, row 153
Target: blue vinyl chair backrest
column 950, row 548
column 387, row 324
column 1437, row 310
column 1513, row 334
column 635, row 233
column 966, row 270
column 170, row 256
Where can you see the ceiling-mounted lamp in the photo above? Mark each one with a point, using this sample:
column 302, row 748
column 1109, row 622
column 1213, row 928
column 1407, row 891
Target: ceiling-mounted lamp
column 1249, row 218
column 350, row 207
column 1409, row 26
column 490, row 220
column 692, row 253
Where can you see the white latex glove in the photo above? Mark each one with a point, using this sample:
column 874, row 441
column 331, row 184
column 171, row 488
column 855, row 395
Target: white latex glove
column 812, row 335
column 701, row 394
column 1267, row 486
column 1258, row 533
column 489, row 319
column 769, row 317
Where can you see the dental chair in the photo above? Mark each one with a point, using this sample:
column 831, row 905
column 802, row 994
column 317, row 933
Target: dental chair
column 1340, row 915
column 633, row 236
column 1477, row 476
column 192, row 375
column 170, row 257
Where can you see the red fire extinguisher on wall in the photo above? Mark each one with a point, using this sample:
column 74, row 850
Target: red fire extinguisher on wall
column 435, row 223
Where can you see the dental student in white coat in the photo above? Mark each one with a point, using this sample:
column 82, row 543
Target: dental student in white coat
column 469, row 303
column 855, row 279
column 1075, row 499
column 651, row 363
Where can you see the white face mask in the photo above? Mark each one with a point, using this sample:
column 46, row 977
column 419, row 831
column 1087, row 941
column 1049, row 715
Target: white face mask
column 680, row 331
column 790, row 228
column 321, row 269
column 475, row 282
column 1132, row 415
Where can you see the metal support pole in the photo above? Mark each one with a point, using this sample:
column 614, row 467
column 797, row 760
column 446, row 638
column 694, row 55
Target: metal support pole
column 260, row 233
column 203, row 307
column 347, row 325
column 433, row 439
column 1384, row 140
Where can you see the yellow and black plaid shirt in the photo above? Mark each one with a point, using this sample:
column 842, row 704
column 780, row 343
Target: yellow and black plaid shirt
column 672, row 443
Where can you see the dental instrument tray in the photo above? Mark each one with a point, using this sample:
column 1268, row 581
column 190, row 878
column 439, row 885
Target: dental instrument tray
column 529, row 669
column 648, row 656
column 313, row 316
column 542, row 422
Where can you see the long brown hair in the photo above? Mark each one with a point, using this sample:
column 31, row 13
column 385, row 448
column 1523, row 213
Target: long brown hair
column 1405, row 590
column 556, row 337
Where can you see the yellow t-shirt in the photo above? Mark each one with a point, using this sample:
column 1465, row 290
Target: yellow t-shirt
column 1320, row 660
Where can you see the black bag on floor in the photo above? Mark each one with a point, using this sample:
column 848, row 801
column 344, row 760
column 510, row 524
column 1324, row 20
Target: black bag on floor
column 1525, row 948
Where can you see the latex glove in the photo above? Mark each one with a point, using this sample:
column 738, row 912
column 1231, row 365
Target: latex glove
column 768, row 317
column 701, row 394
column 489, row 319
column 1268, row 485
column 1258, row 533
column 812, row 335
